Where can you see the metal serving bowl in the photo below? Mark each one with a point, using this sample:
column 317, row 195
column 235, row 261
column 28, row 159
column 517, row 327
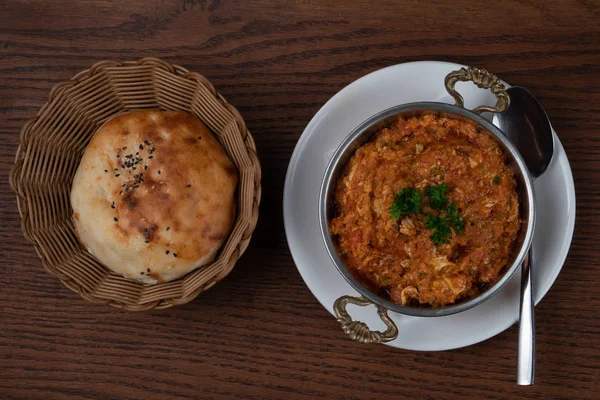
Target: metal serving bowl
column 365, row 132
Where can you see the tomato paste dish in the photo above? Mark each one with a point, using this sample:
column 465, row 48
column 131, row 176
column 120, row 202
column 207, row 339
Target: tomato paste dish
column 427, row 212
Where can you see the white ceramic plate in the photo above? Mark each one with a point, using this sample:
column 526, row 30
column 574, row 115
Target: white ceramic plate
column 398, row 84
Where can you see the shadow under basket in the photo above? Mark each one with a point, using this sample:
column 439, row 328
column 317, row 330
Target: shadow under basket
column 51, row 147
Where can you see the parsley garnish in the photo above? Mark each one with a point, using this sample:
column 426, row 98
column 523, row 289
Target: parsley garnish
column 437, row 196
column 441, row 231
column 406, row 202
column 441, row 225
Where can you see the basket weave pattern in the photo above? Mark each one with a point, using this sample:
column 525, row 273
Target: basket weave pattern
column 51, row 147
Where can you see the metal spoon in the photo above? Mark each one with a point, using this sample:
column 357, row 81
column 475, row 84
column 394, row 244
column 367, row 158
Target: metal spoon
column 527, row 126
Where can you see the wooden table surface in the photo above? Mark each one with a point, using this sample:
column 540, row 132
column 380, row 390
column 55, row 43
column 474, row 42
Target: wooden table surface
column 260, row 333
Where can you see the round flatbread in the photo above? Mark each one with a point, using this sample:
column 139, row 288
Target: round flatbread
column 154, row 195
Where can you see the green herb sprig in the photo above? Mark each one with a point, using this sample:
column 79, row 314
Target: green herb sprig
column 408, row 202
column 441, row 231
column 442, row 224
column 437, row 196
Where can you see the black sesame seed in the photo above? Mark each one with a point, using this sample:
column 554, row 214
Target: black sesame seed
column 146, row 241
column 189, row 186
column 145, row 230
column 168, row 227
column 199, row 137
column 159, row 171
column 116, row 169
column 105, row 170
column 121, row 192
column 150, row 157
column 117, row 174
column 142, row 273
column 145, row 167
column 141, row 147
column 116, row 219
column 148, row 269
column 136, row 153
column 174, row 254
column 167, row 252
column 124, row 147
column 118, row 156
column 147, row 142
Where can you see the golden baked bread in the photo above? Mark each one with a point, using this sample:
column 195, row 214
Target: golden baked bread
column 153, row 197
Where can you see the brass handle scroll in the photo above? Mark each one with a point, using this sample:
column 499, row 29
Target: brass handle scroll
column 484, row 80
column 359, row 331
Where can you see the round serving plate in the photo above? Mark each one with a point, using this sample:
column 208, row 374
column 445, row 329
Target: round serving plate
column 382, row 89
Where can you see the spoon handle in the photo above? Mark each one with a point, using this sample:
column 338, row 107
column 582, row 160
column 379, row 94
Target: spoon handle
column 526, row 366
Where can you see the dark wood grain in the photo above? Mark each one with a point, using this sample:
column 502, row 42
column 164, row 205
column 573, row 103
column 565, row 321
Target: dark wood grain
column 260, row 333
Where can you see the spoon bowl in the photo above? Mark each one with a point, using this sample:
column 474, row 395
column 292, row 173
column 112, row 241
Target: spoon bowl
column 527, row 126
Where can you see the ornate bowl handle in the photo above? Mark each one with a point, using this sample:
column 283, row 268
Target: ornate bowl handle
column 359, row 331
column 483, row 79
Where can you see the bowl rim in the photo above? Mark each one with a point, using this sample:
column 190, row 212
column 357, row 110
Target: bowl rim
column 424, row 107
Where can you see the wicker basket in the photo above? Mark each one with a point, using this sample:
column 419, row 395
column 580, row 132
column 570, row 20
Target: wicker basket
column 51, row 148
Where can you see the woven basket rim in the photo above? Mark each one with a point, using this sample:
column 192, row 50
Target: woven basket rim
column 15, row 180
